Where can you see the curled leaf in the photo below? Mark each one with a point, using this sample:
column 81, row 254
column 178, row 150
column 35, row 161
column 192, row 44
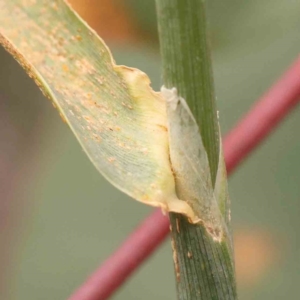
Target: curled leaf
column 119, row 120
column 137, row 138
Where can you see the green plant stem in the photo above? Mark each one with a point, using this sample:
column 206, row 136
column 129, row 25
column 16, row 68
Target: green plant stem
column 187, row 66
column 204, row 268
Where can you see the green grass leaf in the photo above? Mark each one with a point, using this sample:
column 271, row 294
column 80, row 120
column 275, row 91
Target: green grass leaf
column 119, row 120
column 124, row 126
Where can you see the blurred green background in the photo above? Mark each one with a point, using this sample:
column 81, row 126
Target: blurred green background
column 60, row 219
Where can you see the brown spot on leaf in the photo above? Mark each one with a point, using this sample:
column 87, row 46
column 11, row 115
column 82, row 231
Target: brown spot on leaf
column 65, row 68
column 162, row 127
column 63, row 117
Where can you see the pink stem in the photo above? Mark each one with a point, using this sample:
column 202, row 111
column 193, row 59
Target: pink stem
column 240, row 142
column 138, row 246
column 264, row 116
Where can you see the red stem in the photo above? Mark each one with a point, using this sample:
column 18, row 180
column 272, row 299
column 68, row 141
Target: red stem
column 240, row 142
column 264, row 116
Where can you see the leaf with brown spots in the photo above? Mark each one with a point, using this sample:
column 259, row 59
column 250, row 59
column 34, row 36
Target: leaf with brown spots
column 131, row 133
column 118, row 119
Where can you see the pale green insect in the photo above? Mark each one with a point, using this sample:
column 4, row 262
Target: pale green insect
column 191, row 167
